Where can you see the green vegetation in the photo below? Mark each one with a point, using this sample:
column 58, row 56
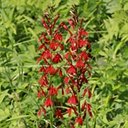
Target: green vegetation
column 20, row 26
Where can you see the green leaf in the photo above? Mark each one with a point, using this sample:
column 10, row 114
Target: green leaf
column 2, row 95
column 4, row 114
column 126, row 6
column 3, row 49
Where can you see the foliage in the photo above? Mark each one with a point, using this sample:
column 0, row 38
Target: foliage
column 107, row 23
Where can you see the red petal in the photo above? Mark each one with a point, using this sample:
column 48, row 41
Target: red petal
column 84, row 55
column 46, row 55
column 48, row 102
column 43, row 81
column 80, row 64
column 69, row 111
column 79, row 120
column 82, row 32
column 71, row 70
column 44, row 24
column 40, row 93
column 51, row 70
column 53, row 91
column 54, row 45
column 58, row 36
column 58, row 113
column 72, row 100
column 82, row 43
column 66, row 80
column 57, row 58
column 71, row 22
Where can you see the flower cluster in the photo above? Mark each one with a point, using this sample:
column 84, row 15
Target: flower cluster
column 65, row 70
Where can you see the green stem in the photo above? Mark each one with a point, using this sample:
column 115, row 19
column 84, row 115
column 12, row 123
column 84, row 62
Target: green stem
column 51, row 118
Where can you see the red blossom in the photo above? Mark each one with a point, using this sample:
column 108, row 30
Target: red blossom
column 48, row 102
column 51, row 70
column 54, row 45
column 84, row 56
column 72, row 100
column 79, row 120
column 80, row 64
column 52, row 91
column 40, row 93
column 43, row 37
column 67, row 90
column 67, row 55
column 66, row 80
column 41, row 46
column 83, row 79
column 57, row 58
column 44, row 24
column 82, row 32
column 43, row 81
column 60, row 73
column 71, row 22
column 83, row 106
column 90, row 113
column 41, row 110
column 58, row 37
column 87, row 91
column 54, row 49
column 39, row 113
column 58, row 113
column 71, row 70
column 73, row 43
column 64, row 26
column 82, row 43
column 69, row 111
column 46, row 55
column 88, row 106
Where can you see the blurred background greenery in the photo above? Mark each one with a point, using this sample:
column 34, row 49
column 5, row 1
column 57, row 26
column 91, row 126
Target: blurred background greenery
column 107, row 24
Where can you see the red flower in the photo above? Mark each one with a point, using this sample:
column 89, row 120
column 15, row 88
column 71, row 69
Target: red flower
column 54, row 45
column 58, row 36
column 67, row 90
column 41, row 110
column 64, row 26
column 83, row 79
column 57, row 58
column 86, row 90
column 82, row 43
column 88, row 107
column 71, row 22
column 67, row 55
column 60, row 73
column 48, row 102
column 40, row 93
column 84, row 56
column 66, row 80
column 52, row 91
column 72, row 100
column 79, row 120
column 71, row 70
column 51, row 70
column 58, row 114
column 44, row 24
column 82, row 32
column 83, row 106
column 69, row 111
column 80, row 64
column 43, row 81
column 46, row 55
column 41, row 46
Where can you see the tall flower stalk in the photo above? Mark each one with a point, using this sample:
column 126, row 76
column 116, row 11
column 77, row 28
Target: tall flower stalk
column 64, row 56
